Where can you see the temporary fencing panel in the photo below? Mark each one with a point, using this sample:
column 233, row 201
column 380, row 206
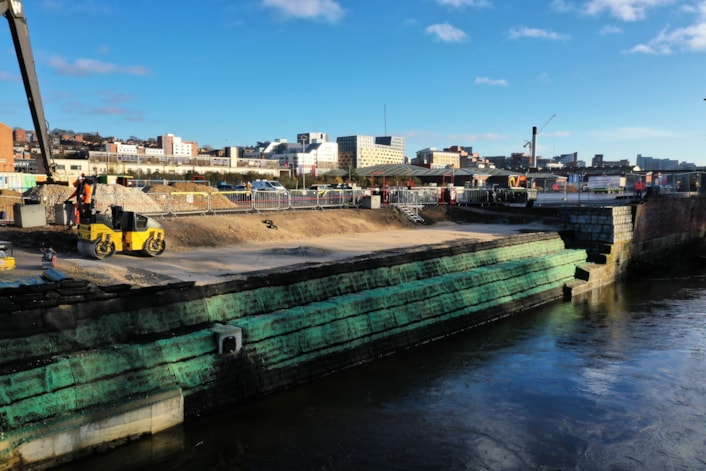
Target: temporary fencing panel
column 331, row 198
column 304, row 199
column 269, row 200
column 228, row 201
column 415, row 197
column 162, row 202
column 477, row 196
column 158, row 205
column 189, row 202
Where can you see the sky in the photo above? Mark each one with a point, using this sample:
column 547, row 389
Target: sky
column 612, row 77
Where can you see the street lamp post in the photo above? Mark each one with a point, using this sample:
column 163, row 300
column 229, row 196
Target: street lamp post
column 301, row 166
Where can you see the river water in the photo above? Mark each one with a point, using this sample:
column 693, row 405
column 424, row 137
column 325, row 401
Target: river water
column 613, row 382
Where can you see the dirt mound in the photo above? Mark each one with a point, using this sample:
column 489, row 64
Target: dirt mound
column 188, row 232
column 222, row 230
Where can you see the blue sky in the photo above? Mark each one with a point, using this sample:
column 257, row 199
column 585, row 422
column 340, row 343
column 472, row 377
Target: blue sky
column 620, row 77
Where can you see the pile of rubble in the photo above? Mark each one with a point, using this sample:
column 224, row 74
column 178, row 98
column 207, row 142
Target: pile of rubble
column 192, row 195
column 104, row 196
column 182, row 197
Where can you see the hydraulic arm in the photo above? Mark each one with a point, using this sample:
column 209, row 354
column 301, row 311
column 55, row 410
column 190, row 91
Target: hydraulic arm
column 14, row 12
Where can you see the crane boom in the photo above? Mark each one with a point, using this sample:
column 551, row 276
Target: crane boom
column 546, row 122
column 535, row 131
column 14, row 12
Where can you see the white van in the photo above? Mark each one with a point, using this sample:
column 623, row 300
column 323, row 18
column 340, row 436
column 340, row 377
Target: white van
column 268, row 185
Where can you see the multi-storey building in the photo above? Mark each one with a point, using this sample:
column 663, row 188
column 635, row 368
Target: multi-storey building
column 651, row 163
column 497, row 161
column 599, row 162
column 365, row 151
column 173, row 145
column 311, row 153
column 19, row 135
column 7, row 149
column 433, row 158
column 312, row 137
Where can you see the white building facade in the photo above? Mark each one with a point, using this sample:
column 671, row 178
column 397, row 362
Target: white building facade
column 365, row 151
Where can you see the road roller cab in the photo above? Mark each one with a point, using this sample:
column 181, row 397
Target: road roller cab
column 101, row 236
column 7, row 257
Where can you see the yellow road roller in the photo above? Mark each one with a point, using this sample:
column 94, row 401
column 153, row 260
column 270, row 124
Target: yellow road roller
column 7, row 258
column 101, row 236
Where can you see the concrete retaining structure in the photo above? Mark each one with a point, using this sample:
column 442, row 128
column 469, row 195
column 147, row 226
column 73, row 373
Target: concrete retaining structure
column 606, row 233
column 85, row 367
column 77, row 357
column 623, row 239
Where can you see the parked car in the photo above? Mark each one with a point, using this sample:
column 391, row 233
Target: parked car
column 230, row 187
column 268, row 185
column 320, row 186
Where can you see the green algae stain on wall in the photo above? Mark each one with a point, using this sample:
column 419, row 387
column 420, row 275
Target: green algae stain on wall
column 330, row 317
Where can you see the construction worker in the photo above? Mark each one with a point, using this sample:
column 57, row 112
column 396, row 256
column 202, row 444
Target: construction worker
column 78, row 190
column 639, row 188
column 84, row 199
column 78, row 183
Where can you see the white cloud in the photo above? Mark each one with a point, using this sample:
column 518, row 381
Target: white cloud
column 8, row 77
column 83, row 67
column 426, row 136
column 465, row 3
column 625, row 10
column 561, row 6
column 690, row 38
column 610, row 29
column 632, row 133
column 525, row 32
column 327, row 10
column 473, row 137
column 489, row 81
column 446, row 33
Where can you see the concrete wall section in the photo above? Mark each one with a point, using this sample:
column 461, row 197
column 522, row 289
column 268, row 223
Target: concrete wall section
column 58, row 441
column 668, row 227
column 665, row 217
column 624, row 239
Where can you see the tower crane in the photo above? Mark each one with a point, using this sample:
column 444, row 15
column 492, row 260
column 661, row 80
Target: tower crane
column 533, row 144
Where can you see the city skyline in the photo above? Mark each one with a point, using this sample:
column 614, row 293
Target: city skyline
column 620, row 78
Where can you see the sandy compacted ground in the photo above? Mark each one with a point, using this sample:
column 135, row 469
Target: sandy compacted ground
column 251, row 241
column 187, row 232
column 199, row 234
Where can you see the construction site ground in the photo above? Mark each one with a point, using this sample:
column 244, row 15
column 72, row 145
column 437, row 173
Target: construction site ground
column 213, row 248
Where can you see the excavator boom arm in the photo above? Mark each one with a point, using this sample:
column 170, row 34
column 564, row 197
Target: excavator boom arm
column 14, row 12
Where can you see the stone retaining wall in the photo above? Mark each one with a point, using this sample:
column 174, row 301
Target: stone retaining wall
column 623, row 239
column 72, row 351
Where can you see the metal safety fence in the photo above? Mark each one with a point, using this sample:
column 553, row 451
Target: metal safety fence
column 222, row 202
column 433, row 196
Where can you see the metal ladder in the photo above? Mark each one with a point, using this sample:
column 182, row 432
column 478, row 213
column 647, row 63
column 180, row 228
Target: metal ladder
column 411, row 213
